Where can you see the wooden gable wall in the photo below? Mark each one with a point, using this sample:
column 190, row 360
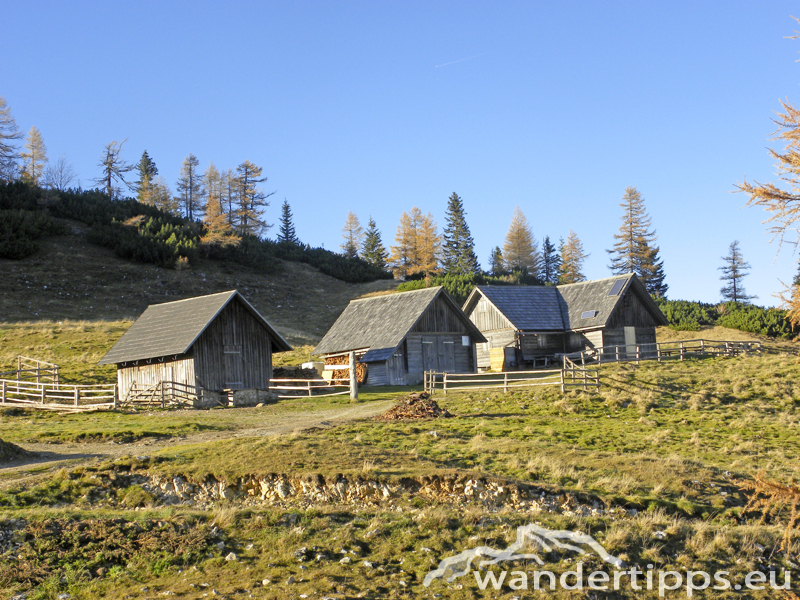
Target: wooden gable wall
column 234, row 352
column 440, row 318
column 487, row 318
column 631, row 312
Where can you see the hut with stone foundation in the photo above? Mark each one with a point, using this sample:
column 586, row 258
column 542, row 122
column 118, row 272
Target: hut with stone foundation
column 210, row 349
column 534, row 325
column 400, row 336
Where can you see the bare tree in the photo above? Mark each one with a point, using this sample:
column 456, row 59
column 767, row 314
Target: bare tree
column 9, row 133
column 60, row 175
column 114, row 169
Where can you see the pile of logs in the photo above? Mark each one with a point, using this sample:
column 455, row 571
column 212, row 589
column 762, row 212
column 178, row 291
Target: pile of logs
column 415, row 406
column 361, row 368
column 294, row 373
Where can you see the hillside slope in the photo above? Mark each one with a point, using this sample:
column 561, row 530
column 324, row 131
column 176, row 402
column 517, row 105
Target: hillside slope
column 69, row 278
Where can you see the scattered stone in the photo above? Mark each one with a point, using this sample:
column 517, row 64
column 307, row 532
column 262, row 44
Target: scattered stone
column 345, row 561
column 661, row 535
column 231, row 556
column 64, row 597
column 290, row 581
column 265, row 582
column 367, row 564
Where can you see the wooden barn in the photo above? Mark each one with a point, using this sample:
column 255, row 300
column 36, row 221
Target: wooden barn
column 538, row 323
column 209, row 346
column 400, row 336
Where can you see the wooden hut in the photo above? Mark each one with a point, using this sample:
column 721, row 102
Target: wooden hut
column 533, row 324
column 400, row 336
column 209, row 346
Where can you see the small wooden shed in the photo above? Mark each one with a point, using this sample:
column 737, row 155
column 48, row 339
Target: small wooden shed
column 400, row 336
column 533, row 323
column 208, row 345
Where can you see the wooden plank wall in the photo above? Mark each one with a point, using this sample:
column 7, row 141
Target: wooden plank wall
column 181, row 371
column 439, row 318
column 234, row 352
column 497, row 339
column 631, row 312
column 543, row 344
column 377, row 374
column 487, row 318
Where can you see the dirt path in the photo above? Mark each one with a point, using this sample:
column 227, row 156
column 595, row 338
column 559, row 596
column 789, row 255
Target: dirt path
column 257, row 424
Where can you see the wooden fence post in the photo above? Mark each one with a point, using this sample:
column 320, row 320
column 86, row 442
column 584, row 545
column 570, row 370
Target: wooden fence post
column 4, row 392
column 505, row 383
column 617, row 351
column 19, row 366
column 353, row 378
column 43, row 395
column 116, row 396
column 77, row 395
column 681, row 350
column 637, row 353
column 563, row 367
column 444, row 383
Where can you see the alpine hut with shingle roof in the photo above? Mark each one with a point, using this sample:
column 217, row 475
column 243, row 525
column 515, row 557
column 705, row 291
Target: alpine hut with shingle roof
column 210, row 346
column 533, row 323
column 400, row 336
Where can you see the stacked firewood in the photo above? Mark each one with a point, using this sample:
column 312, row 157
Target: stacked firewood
column 415, row 406
column 294, row 373
column 361, row 368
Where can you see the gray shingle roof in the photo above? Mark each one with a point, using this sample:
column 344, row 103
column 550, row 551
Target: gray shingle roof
column 172, row 327
column 381, row 323
column 528, row 308
column 580, row 298
column 564, row 307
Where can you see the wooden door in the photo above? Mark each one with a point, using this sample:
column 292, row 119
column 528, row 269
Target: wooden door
column 630, row 341
column 397, row 369
column 234, row 366
column 429, row 359
column 447, row 356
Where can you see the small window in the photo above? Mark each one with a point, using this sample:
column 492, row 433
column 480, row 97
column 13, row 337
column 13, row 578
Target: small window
column 588, row 314
column 617, row 287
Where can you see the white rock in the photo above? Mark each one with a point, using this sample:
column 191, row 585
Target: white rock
column 231, row 556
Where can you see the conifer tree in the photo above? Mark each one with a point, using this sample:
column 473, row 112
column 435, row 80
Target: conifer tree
column 353, row 234
column 250, row 200
column 734, row 270
column 287, row 234
column 113, row 169
column 418, row 245
column 190, row 188
column 634, row 250
column 218, row 230
column 458, row 247
column 519, row 251
column 228, row 186
column 34, row 157
column 9, row 133
column 572, row 257
column 551, row 262
column 147, row 171
column 496, row 262
column 372, row 250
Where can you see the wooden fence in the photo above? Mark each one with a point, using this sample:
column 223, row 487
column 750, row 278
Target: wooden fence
column 55, row 396
column 665, row 350
column 310, row 387
column 570, row 375
column 162, row 393
column 30, row 369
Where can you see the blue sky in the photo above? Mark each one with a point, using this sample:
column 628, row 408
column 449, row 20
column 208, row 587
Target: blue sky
column 376, row 107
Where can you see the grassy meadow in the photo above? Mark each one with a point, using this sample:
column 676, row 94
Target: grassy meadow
column 665, row 449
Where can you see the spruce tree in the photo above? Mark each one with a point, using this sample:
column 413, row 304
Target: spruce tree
column 496, row 262
column 34, row 157
column 634, row 250
column 458, row 247
column 733, row 271
column 147, row 171
column 113, row 169
column 287, row 234
column 551, row 262
column 373, row 250
column 519, row 251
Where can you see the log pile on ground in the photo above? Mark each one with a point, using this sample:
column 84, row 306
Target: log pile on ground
column 415, row 406
column 9, row 452
column 361, row 368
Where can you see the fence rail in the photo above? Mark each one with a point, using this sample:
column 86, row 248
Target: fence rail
column 55, row 396
column 570, row 375
column 308, row 387
column 33, row 369
column 665, row 350
column 162, row 393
